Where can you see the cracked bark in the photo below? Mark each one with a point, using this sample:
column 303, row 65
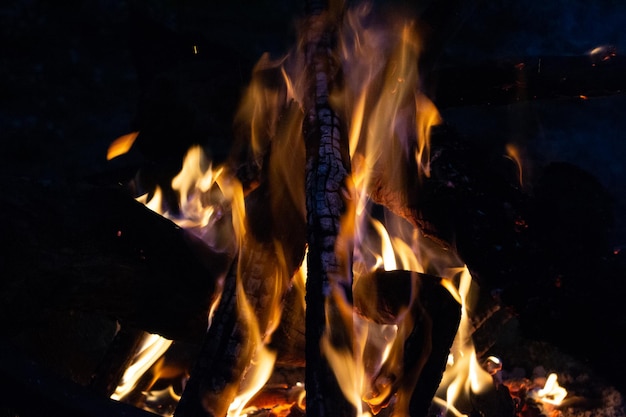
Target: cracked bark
column 327, row 168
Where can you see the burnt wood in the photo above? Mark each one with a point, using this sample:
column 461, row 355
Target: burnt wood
column 272, row 250
column 424, row 336
column 93, row 248
column 327, row 168
column 118, row 358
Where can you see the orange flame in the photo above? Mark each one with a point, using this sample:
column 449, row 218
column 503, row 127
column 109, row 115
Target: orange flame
column 121, row 145
column 151, row 349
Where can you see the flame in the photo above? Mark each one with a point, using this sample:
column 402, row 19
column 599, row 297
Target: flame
column 193, row 182
column 389, row 117
column 206, row 196
column 551, row 393
column 464, row 375
column 155, row 399
column 152, row 348
column 262, row 363
column 121, row 145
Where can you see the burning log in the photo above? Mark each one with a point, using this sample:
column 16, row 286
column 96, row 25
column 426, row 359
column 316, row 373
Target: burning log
column 329, row 277
column 427, row 317
column 249, row 309
column 327, row 190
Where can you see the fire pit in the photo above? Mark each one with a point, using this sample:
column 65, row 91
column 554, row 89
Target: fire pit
column 433, row 242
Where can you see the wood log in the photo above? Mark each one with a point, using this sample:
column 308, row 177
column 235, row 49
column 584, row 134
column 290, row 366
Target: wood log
column 329, row 276
column 272, row 250
column 111, row 369
column 418, row 357
column 96, row 249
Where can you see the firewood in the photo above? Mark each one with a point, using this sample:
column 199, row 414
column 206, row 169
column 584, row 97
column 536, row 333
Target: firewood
column 425, row 335
column 96, row 249
column 118, row 357
column 327, row 168
column 272, row 250
column 289, row 339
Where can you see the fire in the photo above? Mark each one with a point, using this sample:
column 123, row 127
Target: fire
column 551, row 393
column 261, row 366
column 151, row 349
column 389, row 124
column 463, row 376
column 205, row 199
column 121, row 145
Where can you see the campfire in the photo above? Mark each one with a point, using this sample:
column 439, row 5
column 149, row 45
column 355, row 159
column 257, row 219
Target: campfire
column 325, row 259
column 319, row 212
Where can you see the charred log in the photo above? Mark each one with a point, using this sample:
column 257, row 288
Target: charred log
column 118, row 357
column 98, row 250
column 273, row 248
column 425, row 335
column 327, row 168
column 216, row 360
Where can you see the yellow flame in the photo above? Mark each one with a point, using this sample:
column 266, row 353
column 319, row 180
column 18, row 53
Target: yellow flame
column 121, row 145
column 206, row 195
column 551, row 393
column 464, row 375
column 155, row 202
column 152, row 348
column 260, row 109
column 388, row 254
column 389, row 115
column 348, row 373
column 256, row 377
column 157, row 395
column 260, row 368
column 193, row 182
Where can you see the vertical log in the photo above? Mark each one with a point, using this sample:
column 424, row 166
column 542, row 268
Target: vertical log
column 327, row 168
